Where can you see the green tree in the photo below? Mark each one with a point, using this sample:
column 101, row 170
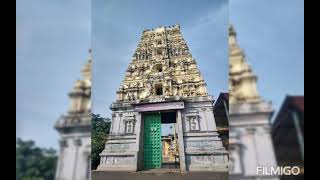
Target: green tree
column 100, row 127
column 34, row 163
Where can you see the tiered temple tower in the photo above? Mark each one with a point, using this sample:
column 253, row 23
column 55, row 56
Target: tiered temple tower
column 249, row 119
column 74, row 129
column 242, row 81
column 161, row 68
column 163, row 84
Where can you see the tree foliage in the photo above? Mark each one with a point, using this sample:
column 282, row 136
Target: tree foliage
column 100, row 127
column 34, row 163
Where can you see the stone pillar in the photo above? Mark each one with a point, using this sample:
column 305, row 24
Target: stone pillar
column 77, row 144
column 138, row 130
column 181, row 142
column 250, row 158
column 63, row 145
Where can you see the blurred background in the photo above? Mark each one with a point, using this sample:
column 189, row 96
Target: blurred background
column 271, row 33
column 53, row 38
column 267, row 130
column 52, row 42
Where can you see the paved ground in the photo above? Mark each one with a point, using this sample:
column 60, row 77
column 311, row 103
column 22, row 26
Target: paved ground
column 100, row 175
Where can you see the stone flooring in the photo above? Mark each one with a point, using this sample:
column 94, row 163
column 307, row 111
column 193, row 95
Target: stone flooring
column 158, row 175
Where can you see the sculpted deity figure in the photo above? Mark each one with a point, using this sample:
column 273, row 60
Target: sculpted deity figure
column 201, row 90
column 168, row 91
column 131, row 96
column 134, row 85
column 147, row 90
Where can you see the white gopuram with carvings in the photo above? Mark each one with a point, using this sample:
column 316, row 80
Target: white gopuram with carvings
column 74, row 129
column 163, row 84
column 249, row 119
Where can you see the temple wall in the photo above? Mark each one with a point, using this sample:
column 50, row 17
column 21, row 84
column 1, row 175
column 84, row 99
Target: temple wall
column 74, row 162
column 249, row 124
column 121, row 149
column 203, row 147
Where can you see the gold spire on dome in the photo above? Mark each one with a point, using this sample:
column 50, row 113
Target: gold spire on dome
column 242, row 81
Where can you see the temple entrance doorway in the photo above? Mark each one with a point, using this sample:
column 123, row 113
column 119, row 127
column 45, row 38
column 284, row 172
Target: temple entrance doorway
column 160, row 141
column 169, row 140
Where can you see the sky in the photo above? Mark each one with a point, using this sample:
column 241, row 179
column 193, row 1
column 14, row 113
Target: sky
column 53, row 38
column 52, row 42
column 272, row 36
column 117, row 28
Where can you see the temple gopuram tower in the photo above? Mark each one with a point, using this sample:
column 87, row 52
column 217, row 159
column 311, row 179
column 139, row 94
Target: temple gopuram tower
column 249, row 119
column 163, row 85
column 74, row 129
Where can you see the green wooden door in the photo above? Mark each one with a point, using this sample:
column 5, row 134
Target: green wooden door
column 152, row 141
